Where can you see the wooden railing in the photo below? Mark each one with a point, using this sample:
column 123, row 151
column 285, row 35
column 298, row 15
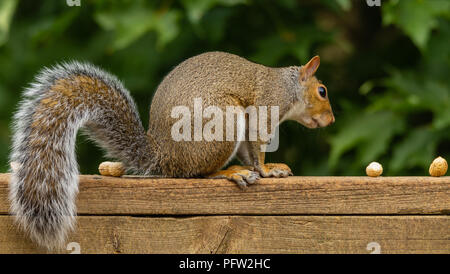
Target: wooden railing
column 290, row 215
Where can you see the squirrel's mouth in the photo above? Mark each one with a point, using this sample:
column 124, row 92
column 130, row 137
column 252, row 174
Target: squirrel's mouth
column 312, row 123
column 316, row 122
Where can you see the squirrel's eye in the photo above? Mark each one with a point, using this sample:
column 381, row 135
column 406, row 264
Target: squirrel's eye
column 322, row 92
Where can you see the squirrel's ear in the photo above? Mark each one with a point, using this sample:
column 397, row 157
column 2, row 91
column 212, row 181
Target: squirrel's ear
column 310, row 68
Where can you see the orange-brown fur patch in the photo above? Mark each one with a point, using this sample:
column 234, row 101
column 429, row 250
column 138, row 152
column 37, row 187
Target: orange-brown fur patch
column 279, row 166
column 233, row 173
column 315, row 104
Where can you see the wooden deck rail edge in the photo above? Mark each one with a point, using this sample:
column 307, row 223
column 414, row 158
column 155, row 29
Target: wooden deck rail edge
column 246, row 234
column 100, row 195
column 291, row 215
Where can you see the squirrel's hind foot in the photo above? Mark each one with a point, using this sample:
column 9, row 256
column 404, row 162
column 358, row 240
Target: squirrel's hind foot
column 275, row 170
column 241, row 175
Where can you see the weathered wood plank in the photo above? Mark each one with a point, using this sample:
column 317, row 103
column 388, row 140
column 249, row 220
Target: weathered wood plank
column 247, row 234
column 293, row 195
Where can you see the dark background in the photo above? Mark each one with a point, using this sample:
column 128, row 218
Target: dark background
column 386, row 68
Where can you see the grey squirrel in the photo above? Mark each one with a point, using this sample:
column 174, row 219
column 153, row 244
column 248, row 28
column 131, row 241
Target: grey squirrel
column 76, row 95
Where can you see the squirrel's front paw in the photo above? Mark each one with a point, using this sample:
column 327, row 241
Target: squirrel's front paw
column 243, row 176
column 274, row 170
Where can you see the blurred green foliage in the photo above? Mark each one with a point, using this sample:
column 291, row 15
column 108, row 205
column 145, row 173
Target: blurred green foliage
column 386, row 68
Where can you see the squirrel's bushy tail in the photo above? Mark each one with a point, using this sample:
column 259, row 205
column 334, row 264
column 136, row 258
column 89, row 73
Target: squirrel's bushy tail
column 61, row 100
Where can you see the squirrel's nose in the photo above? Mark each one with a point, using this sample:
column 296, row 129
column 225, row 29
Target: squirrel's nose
column 332, row 119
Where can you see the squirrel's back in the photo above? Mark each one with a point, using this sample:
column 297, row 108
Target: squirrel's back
column 210, row 74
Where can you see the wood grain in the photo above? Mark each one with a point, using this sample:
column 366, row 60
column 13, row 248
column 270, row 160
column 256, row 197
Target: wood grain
column 289, row 196
column 247, row 234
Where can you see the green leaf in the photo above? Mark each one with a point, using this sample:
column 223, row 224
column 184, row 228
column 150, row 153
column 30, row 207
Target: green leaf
column 417, row 149
column 7, row 8
column 366, row 87
column 417, row 18
column 338, row 5
column 345, row 4
column 442, row 119
column 53, row 27
column 197, row 8
column 369, row 133
column 296, row 43
column 131, row 24
column 422, row 93
column 270, row 50
column 166, row 26
column 214, row 24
